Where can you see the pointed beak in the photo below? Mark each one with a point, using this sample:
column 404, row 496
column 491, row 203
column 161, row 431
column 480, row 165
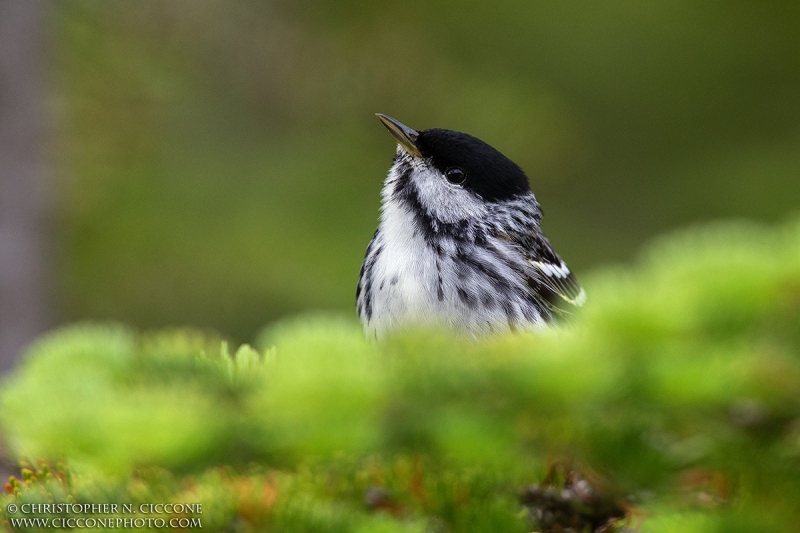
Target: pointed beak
column 406, row 137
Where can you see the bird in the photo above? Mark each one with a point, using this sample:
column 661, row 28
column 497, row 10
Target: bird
column 459, row 244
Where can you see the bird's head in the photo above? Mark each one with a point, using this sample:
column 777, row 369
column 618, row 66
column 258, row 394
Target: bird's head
column 451, row 176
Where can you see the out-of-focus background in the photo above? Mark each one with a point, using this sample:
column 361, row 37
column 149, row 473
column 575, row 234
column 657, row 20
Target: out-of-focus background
column 217, row 163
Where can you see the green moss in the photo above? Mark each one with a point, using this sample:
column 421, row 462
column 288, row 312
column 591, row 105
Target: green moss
column 680, row 383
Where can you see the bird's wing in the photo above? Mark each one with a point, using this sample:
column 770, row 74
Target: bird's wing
column 549, row 277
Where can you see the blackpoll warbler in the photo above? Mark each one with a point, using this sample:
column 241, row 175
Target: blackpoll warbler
column 459, row 243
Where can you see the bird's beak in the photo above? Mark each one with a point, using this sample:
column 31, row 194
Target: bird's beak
column 405, row 136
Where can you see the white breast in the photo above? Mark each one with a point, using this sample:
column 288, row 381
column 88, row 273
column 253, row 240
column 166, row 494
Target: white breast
column 414, row 286
column 405, row 274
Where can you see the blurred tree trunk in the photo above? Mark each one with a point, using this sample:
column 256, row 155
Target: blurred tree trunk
column 22, row 180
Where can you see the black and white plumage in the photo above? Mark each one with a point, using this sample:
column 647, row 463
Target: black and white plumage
column 459, row 243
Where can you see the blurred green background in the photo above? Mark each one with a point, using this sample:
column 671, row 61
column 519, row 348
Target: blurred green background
column 219, row 163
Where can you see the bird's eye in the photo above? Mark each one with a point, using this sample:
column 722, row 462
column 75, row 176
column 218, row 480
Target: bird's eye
column 455, row 175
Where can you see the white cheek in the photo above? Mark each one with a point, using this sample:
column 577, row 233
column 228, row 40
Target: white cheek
column 444, row 200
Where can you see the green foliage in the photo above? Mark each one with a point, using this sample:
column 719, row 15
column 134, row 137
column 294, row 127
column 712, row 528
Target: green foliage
column 219, row 163
column 679, row 386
